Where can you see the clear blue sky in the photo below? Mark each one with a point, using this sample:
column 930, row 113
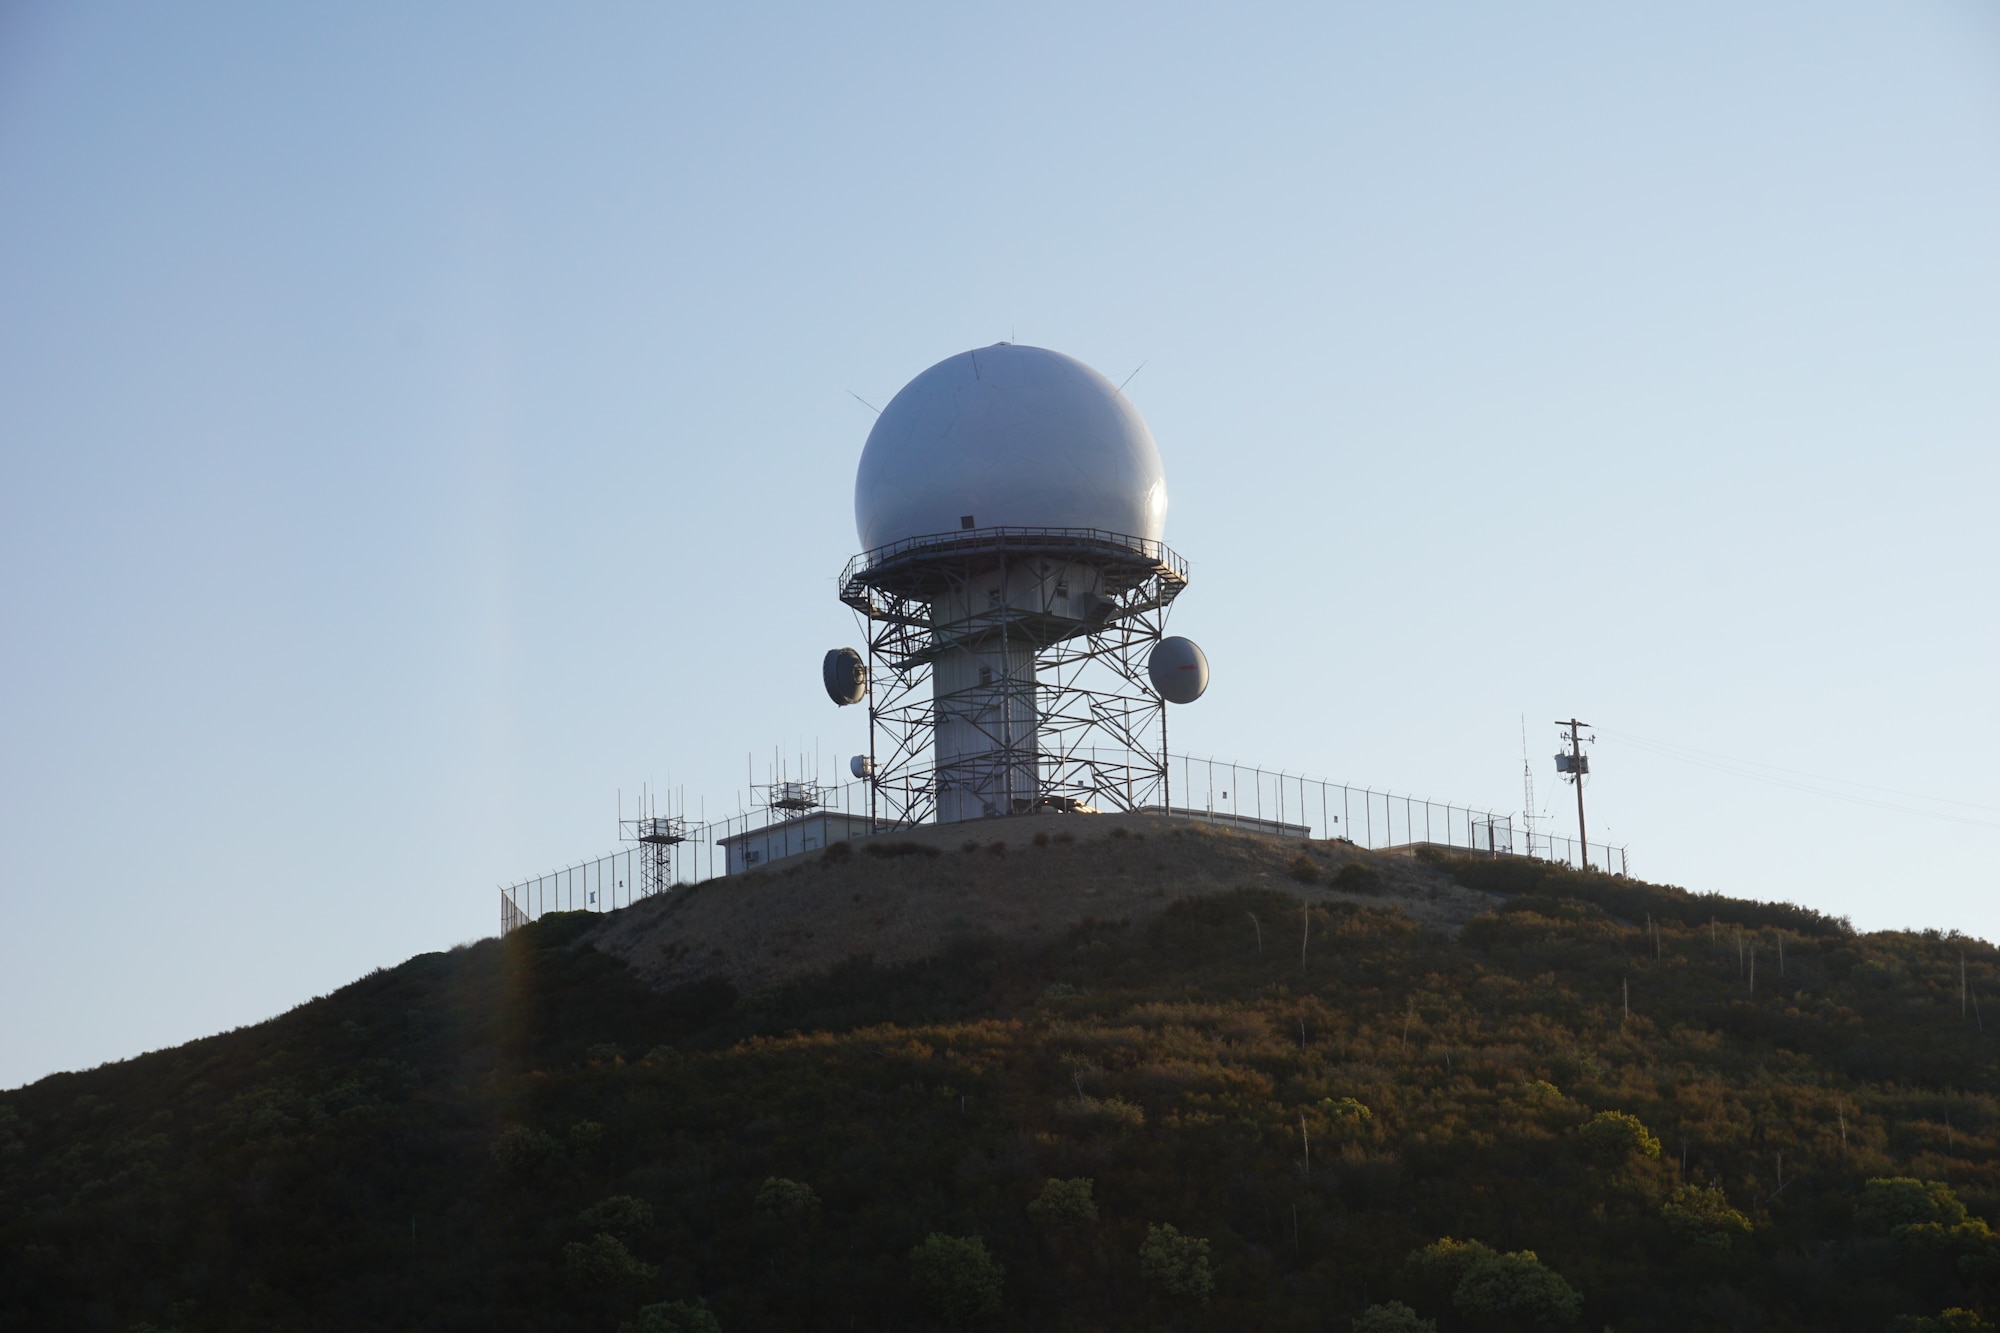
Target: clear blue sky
column 418, row 423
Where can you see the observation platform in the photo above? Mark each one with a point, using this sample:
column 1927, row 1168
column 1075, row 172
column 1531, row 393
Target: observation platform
column 919, row 567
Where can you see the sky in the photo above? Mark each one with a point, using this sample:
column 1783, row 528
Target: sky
column 421, row 424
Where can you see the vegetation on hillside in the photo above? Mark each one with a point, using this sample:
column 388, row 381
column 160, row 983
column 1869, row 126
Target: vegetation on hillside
column 1605, row 1105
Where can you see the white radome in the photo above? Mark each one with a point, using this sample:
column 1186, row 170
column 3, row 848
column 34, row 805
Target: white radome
column 1008, row 436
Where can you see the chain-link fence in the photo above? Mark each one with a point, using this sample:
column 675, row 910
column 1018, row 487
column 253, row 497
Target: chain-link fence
column 1242, row 796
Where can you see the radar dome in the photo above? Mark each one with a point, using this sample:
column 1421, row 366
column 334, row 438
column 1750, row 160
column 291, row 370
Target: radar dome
column 1008, row 436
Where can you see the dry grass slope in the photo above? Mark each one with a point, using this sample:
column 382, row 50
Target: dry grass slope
column 1024, row 879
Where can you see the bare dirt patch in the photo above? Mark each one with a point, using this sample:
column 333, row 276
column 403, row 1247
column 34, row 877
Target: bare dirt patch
column 1023, row 879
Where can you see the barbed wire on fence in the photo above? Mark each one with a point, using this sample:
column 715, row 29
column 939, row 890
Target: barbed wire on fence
column 1210, row 790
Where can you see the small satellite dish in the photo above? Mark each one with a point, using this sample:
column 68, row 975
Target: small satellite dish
column 846, row 676
column 1178, row 670
column 861, row 766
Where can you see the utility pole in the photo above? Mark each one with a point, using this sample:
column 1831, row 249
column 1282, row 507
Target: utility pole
column 1578, row 766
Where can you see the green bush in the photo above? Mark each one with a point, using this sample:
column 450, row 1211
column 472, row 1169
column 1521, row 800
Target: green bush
column 957, row 1279
column 787, row 1200
column 603, row 1262
column 1346, row 1109
column 1064, row 1204
column 1955, row 1320
column 1701, row 1214
column 1393, row 1317
column 674, row 1317
column 585, row 1137
column 1888, row 1202
column 1176, row 1264
column 518, row 1149
column 1357, row 878
column 621, row 1213
column 1483, row 1284
column 1104, row 1114
column 1613, row 1138
column 1517, row 1289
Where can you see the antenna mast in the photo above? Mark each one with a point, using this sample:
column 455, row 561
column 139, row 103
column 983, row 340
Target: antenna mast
column 1528, row 815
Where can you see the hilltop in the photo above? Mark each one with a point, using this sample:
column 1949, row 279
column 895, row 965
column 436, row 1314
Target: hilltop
column 1086, row 1084
column 901, row 898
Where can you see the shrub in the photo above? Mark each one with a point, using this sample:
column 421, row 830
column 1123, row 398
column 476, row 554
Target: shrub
column 1064, row 1204
column 603, row 1262
column 585, row 1136
column 1614, row 1138
column 1176, row 1264
column 956, row 1277
column 888, row 850
column 1393, row 1317
column 674, row 1317
column 1484, row 1284
column 1357, row 878
column 1304, row 869
column 619, row 1213
column 1542, row 1094
column 1955, row 1320
column 789, row 1200
column 1889, row 1202
column 519, row 1149
column 838, row 851
column 1101, row 1113
column 1702, row 1215
column 1517, row 1288
column 1925, row 1217
column 1347, row 1110
column 1440, row 1266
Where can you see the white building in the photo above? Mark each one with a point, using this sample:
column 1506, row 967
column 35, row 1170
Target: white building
column 790, row 837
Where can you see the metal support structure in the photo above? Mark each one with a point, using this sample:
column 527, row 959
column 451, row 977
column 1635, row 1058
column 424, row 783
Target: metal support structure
column 657, row 836
column 1007, row 671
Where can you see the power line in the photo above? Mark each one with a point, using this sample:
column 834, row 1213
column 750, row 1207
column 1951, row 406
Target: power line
column 1746, row 769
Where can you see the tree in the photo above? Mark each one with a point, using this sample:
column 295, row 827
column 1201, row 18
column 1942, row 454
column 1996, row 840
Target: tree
column 1510, row 1290
column 519, row 1149
column 786, row 1200
column 1955, row 1320
column 1438, row 1268
column 1393, row 1317
column 1516, row 1289
column 1702, row 1215
column 1889, row 1202
column 1177, row 1264
column 603, row 1262
column 956, row 1277
column 1064, row 1205
column 674, row 1317
column 1613, row 1138
column 619, row 1214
